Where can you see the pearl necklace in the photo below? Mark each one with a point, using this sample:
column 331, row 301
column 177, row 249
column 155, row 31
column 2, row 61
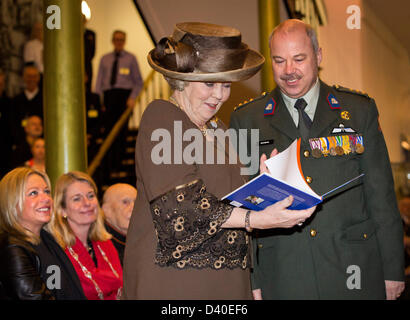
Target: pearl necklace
column 213, row 121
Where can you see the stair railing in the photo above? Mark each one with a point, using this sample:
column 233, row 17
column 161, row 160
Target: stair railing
column 155, row 87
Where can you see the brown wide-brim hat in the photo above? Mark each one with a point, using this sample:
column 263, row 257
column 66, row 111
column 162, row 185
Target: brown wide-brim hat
column 205, row 52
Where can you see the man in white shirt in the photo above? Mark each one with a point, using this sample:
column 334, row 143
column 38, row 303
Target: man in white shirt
column 33, row 49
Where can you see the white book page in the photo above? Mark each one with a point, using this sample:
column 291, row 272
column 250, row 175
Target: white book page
column 284, row 166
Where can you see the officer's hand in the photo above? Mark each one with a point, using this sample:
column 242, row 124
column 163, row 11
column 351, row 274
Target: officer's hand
column 393, row 289
column 262, row 167
column 257, row 294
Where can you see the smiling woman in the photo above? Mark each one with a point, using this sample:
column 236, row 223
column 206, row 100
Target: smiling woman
column 78, row 227
column 26, row 249
column 25, row 206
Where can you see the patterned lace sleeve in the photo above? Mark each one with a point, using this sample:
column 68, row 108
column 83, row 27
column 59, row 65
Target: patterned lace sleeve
column 187, row 221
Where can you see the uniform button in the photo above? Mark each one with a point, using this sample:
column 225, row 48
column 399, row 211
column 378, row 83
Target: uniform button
column 313, row 232
column 306, row 153
column 364, row 235
column 309, row 179
column 260, row 246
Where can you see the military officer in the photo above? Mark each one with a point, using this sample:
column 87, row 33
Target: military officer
column 351, row 247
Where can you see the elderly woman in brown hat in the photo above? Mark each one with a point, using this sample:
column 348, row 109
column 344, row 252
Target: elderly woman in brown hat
column 183, row 242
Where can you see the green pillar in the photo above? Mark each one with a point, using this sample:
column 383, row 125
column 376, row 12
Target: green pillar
column 269, row 18
column 63, row 85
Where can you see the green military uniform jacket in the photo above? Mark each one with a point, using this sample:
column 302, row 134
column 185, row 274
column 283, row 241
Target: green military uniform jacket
column 354, row 240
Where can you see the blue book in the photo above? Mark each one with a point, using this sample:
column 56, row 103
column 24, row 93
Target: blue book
column 285, row 178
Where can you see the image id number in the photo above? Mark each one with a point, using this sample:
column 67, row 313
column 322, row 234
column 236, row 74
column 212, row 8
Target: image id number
column 226, row 309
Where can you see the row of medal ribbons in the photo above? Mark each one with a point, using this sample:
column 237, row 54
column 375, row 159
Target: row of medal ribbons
column 336, row 145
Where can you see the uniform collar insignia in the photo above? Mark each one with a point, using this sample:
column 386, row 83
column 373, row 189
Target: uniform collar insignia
column 333, row 102
column 270, row 107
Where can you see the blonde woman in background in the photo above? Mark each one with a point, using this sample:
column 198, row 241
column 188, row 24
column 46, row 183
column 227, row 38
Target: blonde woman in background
column 78, row 226
column 26, row 249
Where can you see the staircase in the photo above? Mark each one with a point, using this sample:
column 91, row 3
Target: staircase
column 125, row 170
column 155, row 87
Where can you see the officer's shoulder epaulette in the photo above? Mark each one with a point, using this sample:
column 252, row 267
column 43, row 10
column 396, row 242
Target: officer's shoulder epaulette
column 247, row 102
column 348, row 90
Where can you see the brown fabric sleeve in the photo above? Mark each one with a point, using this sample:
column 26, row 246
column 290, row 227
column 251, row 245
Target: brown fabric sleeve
column 159, row 140
column 186, row 217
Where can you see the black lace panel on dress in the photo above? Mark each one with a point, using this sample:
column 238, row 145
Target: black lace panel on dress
column 188, row 223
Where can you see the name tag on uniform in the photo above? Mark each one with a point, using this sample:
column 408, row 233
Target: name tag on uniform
column 125, row 71
column 265, row 142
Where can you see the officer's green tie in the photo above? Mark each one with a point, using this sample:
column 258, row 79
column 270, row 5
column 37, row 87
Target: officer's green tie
column 304, row 121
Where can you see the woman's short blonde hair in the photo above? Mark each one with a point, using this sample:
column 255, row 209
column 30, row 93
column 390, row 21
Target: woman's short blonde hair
column 12, row 196
column 59, row 226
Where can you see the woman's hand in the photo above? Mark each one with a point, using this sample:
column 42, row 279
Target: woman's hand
column 274, row 216
column 278, row 216
column 262, row 166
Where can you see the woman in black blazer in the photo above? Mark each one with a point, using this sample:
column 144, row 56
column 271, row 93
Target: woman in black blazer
column 32, row 265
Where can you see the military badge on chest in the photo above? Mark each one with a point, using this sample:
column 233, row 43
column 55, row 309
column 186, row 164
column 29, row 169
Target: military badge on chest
column 338, row 145
column 344, row 139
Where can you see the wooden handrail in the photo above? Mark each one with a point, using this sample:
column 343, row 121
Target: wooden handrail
column 106, row 145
